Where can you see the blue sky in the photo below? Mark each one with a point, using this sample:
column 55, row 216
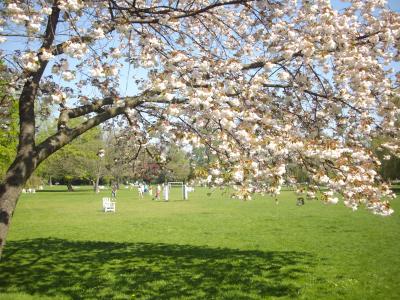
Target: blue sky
column 393, row 4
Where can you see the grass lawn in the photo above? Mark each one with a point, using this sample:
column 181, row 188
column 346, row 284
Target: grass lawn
column 62, row 246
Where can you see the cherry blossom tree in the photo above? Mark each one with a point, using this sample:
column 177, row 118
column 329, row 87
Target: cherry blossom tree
column 262, row 84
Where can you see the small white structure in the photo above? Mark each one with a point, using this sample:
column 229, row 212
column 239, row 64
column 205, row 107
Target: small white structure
column 166, row 192
column 175, row 183
column 108, row 205
column 185, row 189
column 185, row 192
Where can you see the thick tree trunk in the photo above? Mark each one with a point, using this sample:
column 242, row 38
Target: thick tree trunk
column 10, row 189
column 8, row 200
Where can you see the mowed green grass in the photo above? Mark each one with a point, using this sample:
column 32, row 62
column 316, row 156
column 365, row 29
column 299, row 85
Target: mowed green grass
column 62, row 246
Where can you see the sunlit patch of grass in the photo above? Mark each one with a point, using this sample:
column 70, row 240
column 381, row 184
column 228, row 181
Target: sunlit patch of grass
column 62, row 246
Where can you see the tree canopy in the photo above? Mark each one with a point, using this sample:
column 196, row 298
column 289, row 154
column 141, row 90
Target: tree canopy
column 262, row 84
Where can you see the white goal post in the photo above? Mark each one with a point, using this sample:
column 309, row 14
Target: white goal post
column 182, row 186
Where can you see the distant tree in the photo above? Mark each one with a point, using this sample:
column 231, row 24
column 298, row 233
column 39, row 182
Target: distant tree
column 178, row 165
column 298, row 173
column 78, row 160
column 125, row 159
column 118, row 160
column 381, row 145
column 390, row 165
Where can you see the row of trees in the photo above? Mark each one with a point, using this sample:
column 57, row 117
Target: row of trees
column 80, row 162
column 96, row 158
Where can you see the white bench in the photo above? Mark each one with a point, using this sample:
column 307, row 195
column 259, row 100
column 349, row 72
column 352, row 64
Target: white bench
column 108, row 205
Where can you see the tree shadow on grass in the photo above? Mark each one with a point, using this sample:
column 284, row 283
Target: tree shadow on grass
column 108, row 270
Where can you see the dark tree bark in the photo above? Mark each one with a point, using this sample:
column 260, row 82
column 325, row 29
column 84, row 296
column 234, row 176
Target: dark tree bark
column 10, row 189
column 96, row 185
column 69, row 187
column 26, row 160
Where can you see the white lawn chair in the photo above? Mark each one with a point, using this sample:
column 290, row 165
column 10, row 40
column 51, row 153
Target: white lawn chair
column 108, row 205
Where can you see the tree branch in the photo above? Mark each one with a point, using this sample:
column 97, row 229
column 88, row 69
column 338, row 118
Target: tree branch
column 67, row 114
column 327, row 96
column 66, row 135
column 260, row 64
column 29, row 91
